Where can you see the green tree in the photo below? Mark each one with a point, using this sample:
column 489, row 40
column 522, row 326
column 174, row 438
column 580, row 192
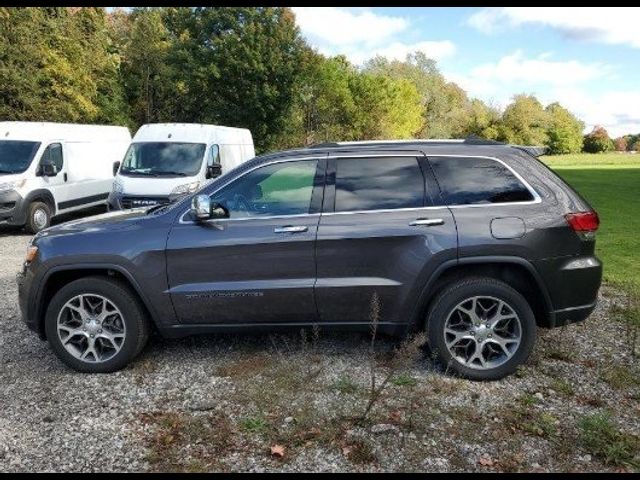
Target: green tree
column 56, row 65
column 564, row 133
column 524, row 122
column 597, row 141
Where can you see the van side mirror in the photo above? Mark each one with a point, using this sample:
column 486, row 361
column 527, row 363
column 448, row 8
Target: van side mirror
column 48, row 169
column 204, row 209
column 116, row 167
column 214, row 171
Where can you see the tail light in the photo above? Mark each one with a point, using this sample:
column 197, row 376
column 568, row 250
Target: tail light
column 585, row 224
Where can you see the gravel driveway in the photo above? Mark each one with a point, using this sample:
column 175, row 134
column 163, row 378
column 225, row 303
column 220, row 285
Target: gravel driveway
column 222, row 402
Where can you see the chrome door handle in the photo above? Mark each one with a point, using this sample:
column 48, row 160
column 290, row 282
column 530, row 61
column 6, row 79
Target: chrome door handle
column 291, row 229
column 427, row 222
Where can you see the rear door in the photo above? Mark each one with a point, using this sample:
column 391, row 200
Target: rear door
column 381, row 233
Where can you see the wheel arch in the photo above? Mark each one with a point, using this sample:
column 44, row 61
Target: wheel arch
column 517, row 272
column 57, row 277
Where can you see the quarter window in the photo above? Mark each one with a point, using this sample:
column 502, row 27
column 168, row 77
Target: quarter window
column 277, row 189
column 469, row 181
column 378, row 184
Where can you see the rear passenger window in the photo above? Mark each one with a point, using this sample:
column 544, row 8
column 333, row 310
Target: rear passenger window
column 468, row 181
column 378, row 183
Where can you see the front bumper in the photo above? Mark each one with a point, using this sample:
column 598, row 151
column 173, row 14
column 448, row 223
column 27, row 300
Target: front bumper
column 12, row 208
column 26, row 302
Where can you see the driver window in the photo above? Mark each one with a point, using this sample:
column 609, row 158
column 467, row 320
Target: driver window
column 278, row 189
column 53, row 155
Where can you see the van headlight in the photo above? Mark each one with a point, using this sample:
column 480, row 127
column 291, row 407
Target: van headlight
column 186, row 188
column 5, row 186
column 117, row 187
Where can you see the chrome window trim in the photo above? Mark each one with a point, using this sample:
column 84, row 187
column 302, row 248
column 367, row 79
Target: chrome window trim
column 536, row 197
column 182, row 221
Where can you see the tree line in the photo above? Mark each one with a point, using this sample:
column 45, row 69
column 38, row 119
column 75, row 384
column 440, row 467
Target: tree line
column 248, row 67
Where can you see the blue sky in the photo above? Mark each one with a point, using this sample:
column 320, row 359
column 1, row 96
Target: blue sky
column 587, row 58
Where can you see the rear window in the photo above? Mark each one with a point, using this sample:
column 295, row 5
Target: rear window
column 378, row 184
column 470, row 181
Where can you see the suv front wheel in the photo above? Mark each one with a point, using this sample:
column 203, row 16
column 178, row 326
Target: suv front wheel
column 96, row 325
column 481, row 328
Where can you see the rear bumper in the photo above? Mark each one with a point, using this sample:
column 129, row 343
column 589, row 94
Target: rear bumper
column 573, row 284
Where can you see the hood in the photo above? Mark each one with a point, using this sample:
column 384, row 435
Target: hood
column 152, row 186
column 111, row 221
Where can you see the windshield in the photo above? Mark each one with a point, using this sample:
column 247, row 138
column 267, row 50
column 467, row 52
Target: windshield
column 163, row 158
column 16, row 155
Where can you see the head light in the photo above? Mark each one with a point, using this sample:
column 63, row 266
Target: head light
column 186, row 188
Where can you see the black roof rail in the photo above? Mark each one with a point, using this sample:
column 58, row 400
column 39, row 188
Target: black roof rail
column 532, row 150
column 324, row 145
column 476, row 140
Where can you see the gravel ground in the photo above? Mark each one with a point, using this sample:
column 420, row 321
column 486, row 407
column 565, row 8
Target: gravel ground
column 221, row 402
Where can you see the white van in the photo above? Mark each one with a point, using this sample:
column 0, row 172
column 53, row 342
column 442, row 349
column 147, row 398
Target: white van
column 169, row 160
column 47, row 169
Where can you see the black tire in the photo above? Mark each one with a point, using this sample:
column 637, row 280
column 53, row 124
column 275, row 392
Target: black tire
column 137, row 325
column 32, row 226
column 457, row 292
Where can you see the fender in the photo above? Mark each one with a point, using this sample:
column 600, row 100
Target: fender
column 93, row 266
column 489, row 259
column 20, row 218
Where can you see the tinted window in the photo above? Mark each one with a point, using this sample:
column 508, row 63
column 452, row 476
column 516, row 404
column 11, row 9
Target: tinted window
column 16, row 156
column 378, row 183
column 278, row 189
column 465, row 181
column 53, row 155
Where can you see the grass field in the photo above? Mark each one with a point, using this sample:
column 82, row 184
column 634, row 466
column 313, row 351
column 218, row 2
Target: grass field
column 611, row 183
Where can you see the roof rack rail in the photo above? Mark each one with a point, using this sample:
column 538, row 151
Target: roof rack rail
column 476, row 140
column 532, row 150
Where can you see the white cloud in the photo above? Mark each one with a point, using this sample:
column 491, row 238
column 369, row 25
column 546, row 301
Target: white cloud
column 362, row 34
column 515, row 73
column 339, row 27
column 616, row 26
column 610, row 109
column 436, row 50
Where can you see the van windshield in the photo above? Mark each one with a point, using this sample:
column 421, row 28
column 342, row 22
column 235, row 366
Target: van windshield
column 16, row 155
column 163, row 159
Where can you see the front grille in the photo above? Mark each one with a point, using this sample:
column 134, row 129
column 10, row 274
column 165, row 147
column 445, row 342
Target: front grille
column 136, row 202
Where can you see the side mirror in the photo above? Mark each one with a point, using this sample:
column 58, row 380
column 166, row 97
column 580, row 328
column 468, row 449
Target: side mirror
column 48, row 170
column 204, row 209
column 214, row 170
column 116, row 167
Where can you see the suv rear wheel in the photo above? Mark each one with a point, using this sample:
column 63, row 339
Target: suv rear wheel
column 96, row 325
column 481, row 328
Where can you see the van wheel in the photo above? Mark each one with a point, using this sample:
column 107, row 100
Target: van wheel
column 481, row 328
column 38, row 217
column 96, row 325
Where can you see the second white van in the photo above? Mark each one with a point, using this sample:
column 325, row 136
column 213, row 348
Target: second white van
column 47, row 169
column 166, row 161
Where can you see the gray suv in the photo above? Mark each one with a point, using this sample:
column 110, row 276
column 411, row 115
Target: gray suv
column 477, row 242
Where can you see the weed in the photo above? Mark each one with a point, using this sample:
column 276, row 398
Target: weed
column 600, row 436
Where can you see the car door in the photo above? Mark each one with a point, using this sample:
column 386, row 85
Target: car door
column 258, row 265
column 379, row 233
column 57, row 184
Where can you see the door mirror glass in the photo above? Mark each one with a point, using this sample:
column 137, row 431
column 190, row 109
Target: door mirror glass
column 214, row 171
column 116, row 167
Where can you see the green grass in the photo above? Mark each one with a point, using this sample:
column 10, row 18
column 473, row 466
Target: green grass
column 611, row 183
